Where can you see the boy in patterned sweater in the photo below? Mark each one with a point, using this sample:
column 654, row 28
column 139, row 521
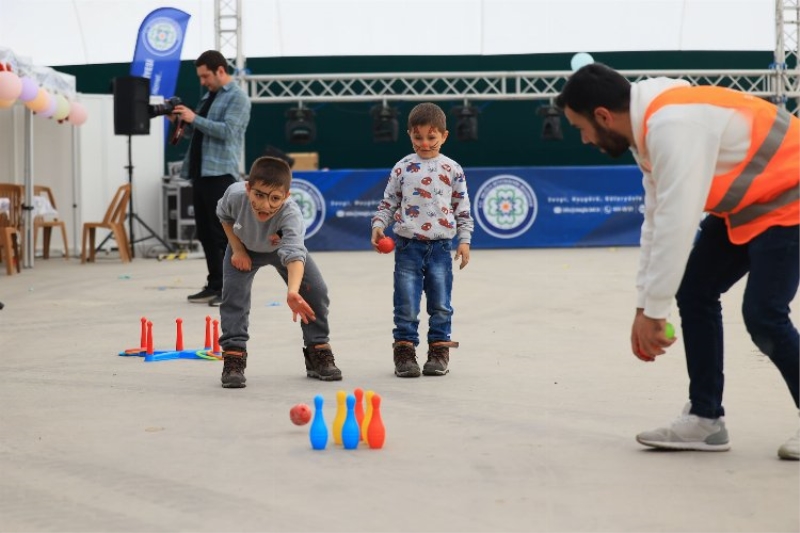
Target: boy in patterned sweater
column 426, row 199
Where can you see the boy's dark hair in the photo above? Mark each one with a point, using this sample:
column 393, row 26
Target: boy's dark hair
column 595, row 85
column 427, row 114
column 270, row 171
column 212, row 60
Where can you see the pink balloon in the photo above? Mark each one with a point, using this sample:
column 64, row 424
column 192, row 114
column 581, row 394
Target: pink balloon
column 51, row 108
column 5, row 104
column 30, row 88
column 10, row 85
column 77, row 114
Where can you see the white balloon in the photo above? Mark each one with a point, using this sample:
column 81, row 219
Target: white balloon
column 581, row 59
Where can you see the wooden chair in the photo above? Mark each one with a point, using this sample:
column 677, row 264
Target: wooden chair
column 114, row 221
column 11, row 227
column 47, row 225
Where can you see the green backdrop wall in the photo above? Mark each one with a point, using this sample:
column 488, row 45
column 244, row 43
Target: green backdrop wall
column 509, row 131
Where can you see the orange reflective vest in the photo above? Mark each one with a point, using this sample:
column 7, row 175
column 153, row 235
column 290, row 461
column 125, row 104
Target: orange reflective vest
column 762, row 191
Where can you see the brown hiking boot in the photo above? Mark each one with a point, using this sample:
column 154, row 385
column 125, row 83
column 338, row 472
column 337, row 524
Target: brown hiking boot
column 438, row 358
column 405, row 360
column 320, row 363
column 234, row 363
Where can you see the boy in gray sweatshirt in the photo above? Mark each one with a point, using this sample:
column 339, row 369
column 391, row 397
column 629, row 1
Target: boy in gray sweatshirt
column 264, row 226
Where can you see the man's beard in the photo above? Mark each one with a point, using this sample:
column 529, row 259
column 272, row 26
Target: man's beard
column 612, row 143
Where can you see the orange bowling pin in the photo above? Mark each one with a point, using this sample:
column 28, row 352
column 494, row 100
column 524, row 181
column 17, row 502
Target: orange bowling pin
column 376, row 433
column 359, row 394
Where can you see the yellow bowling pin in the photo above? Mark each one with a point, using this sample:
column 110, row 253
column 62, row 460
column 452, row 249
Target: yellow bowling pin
column 341, row 414
column 367, row 415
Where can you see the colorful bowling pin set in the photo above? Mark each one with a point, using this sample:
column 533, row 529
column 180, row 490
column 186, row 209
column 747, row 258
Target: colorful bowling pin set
column 351, row 424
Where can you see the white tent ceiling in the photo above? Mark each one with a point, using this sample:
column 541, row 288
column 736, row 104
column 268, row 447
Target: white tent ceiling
column 71, row 32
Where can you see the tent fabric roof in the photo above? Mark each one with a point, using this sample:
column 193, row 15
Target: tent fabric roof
column 91, row 32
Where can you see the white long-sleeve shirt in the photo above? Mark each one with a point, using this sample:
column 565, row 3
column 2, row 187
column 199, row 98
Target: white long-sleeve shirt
column 426, row 199
column 686, row 146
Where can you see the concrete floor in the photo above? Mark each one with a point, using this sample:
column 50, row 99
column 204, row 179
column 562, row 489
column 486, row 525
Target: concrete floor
column 533, row 429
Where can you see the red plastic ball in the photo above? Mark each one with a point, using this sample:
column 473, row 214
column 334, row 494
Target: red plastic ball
column 385, row 245
column 300, row 414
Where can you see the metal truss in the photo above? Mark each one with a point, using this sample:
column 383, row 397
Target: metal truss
column 472, row 86
column 786, row 65
column 228, row 33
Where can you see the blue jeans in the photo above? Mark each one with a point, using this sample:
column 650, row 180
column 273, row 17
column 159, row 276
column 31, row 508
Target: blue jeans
column 772, row 262
column 422, row 266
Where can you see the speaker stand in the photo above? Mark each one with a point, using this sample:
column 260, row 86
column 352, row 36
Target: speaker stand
column 149, row 234
column 132, row 215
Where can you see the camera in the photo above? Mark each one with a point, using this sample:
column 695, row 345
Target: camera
column 166, row 108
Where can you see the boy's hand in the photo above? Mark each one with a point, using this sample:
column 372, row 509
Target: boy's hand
column 300, row 307
column 462, row 252
column 241, row 261
column 377, row 234
column 274, row 239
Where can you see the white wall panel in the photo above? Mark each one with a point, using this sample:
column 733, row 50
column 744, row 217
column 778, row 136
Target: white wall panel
column 101, row 161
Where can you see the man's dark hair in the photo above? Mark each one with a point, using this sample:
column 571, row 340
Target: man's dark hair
column 212, row 60
column 427, row 114
column 270, row 171
column 272, row 151
column 595, row 85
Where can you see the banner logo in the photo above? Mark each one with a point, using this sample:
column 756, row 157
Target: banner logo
column 311, row 204
column 162, row 35
column 157, row 55
column 505, row 206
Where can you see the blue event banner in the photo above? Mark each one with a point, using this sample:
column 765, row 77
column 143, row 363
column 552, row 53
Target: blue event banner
column 158, row 49
column 513, row 207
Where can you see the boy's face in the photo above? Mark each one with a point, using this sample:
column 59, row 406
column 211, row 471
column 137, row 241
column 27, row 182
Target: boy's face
column 427, row 140
column 265, row 200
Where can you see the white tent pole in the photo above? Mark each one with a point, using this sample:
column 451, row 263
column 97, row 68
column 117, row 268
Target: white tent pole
column 28, row 181
column 76, row 154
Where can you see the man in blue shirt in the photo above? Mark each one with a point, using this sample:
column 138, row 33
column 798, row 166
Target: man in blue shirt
column 216, row 131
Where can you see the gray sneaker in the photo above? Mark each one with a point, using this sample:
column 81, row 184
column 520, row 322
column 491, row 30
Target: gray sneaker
column 234, row 363
column 689, row 432
column 405, row 360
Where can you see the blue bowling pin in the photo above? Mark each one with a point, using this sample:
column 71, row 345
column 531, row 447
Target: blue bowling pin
column 319, row 431
column 350, row 432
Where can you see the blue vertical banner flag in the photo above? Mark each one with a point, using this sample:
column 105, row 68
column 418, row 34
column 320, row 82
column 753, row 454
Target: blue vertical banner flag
column 158, row 50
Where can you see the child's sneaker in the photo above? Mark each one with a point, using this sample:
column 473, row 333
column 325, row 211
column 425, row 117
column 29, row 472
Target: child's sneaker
column 689, row 432
column 438, row 358
column 405, row 360
column 234, row 363
column 320, row 363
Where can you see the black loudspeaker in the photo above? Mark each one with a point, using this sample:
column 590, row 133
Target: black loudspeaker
column 131, row 105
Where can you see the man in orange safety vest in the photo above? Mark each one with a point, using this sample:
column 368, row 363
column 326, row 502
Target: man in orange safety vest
column 730, row 162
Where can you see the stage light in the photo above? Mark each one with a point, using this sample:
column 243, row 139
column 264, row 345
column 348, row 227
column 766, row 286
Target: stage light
column 384, row 123
column 466, row 122
column 300, row 125
column 551, row 127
